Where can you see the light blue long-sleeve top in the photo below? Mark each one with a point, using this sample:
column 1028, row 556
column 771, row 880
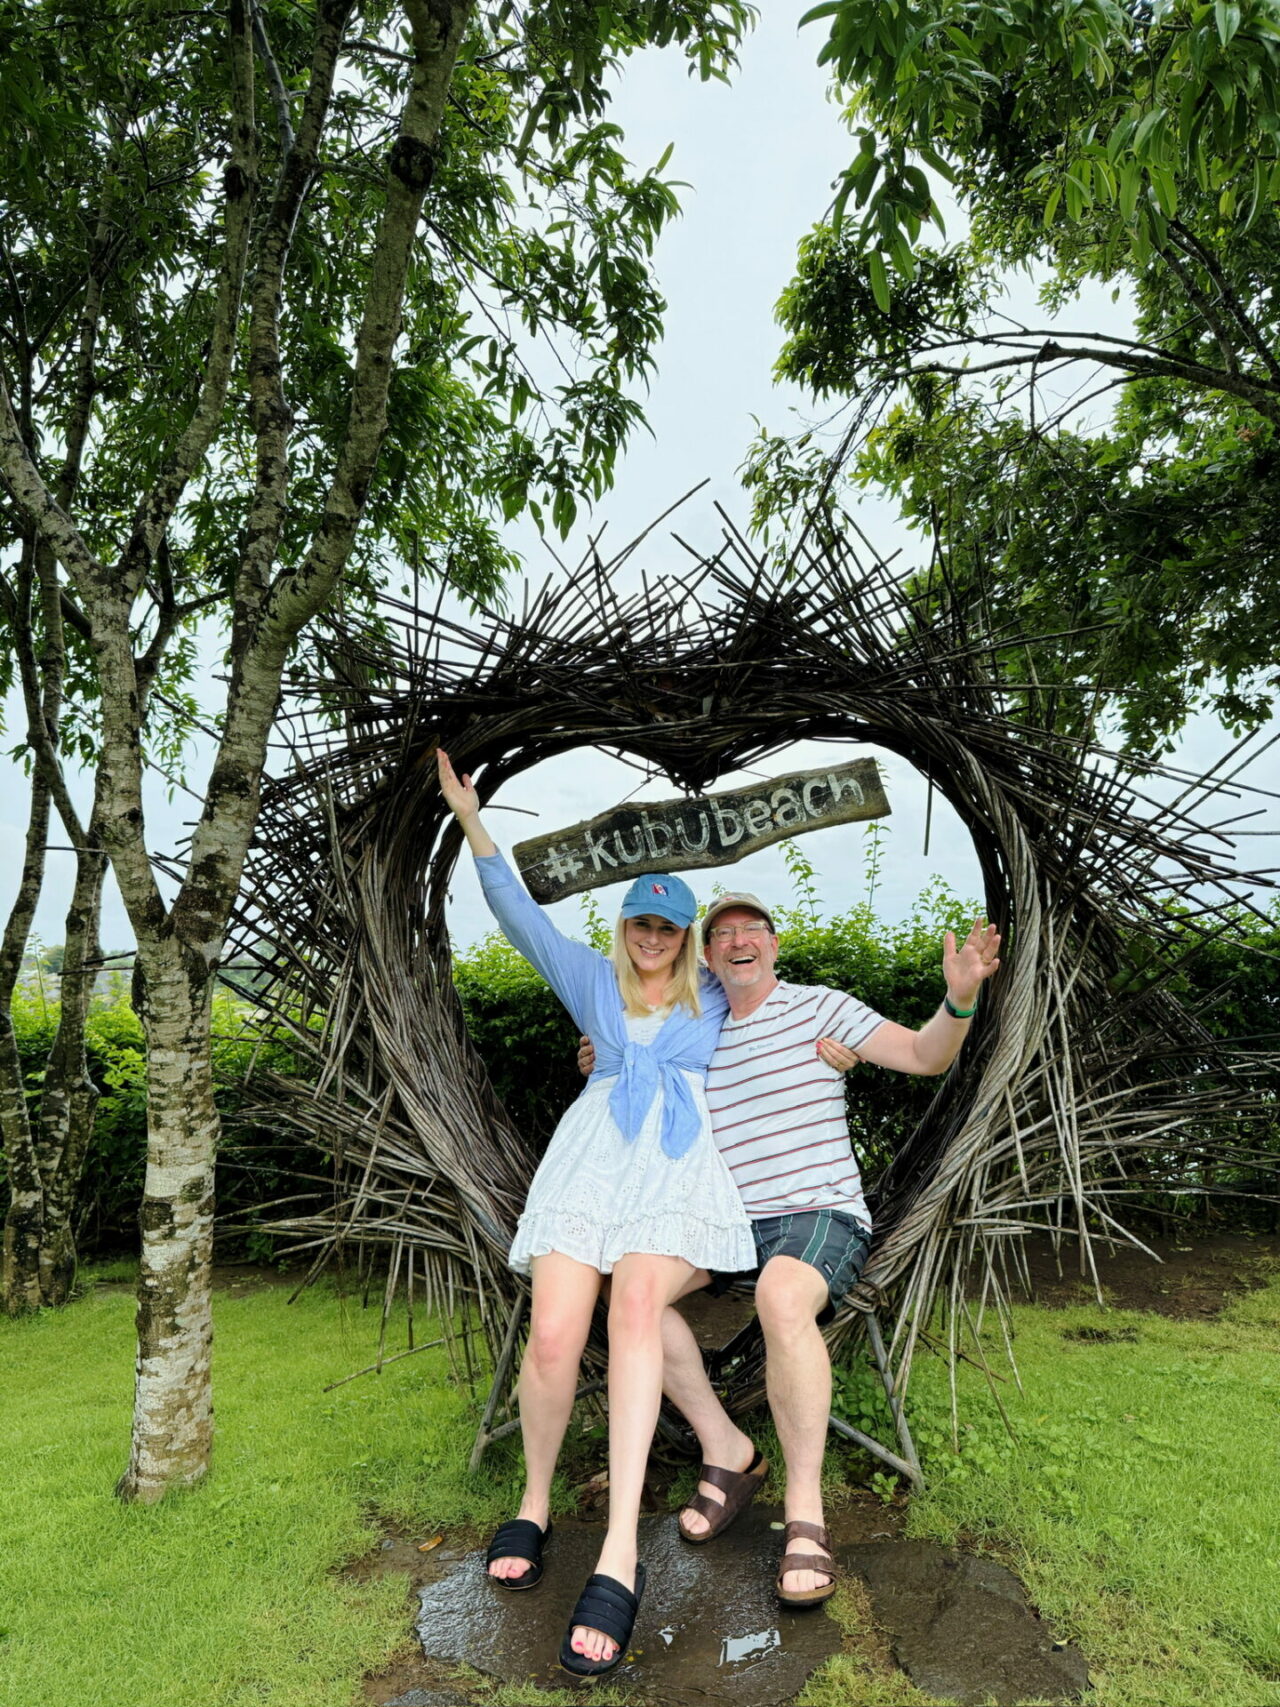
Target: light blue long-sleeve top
column 587, row 985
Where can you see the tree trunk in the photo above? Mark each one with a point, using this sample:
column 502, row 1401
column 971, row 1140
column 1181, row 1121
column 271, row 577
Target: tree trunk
column 173, row 1401
column 179, row 952
column 24, row 1219
column 69, row 1098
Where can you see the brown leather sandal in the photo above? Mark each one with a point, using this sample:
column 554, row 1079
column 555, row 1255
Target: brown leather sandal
column 799, row 1530
column 739, row 1488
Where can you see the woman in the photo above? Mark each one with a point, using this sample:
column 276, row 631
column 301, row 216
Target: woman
column 633, row 1187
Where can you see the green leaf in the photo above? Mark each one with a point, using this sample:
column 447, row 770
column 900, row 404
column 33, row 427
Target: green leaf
column 879, row 280
column 1227, row 17
column 1150, row 124
column 1131, row 181
column 1165, row 188
column 1260, row 177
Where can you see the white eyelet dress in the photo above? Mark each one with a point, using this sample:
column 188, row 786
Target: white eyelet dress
column 600, row 1194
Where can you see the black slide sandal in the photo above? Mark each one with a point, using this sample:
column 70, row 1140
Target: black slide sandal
column 519, row 1538
column 604, row 1605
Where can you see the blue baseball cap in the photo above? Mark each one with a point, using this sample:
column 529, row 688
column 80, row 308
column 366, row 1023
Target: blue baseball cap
column 660, row 892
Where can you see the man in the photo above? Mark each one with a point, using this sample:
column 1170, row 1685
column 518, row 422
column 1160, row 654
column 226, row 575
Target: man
column 777, row 1111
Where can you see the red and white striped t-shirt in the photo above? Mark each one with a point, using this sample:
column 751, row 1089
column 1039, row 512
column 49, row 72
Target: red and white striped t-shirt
column 777, row 1109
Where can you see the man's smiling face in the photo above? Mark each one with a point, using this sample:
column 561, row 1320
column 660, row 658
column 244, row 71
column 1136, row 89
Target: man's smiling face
column 742, row 951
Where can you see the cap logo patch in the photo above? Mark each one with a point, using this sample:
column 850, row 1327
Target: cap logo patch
column 657, row 889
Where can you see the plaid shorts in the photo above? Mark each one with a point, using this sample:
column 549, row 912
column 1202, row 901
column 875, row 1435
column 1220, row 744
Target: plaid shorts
column 827, row 1239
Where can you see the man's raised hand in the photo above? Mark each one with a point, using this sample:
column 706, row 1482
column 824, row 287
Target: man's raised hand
column 967, row 967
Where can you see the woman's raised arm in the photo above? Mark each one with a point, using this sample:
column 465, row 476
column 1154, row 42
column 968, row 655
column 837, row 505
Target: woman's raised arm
column 571, row 968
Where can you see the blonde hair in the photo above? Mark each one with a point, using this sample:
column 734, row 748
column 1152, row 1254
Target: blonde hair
column 682, row 985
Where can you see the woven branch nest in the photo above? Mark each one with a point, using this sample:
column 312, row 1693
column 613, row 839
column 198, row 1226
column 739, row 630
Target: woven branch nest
column 1082, row 1082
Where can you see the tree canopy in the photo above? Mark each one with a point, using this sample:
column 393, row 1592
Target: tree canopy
column 530, row 309
column 1132, row 147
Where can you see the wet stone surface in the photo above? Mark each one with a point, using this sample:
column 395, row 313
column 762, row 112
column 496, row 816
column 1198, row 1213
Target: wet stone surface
column 709, row 1628
column 429, row 1698
column 961, row 1627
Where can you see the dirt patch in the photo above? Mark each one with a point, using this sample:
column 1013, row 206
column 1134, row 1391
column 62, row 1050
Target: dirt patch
column 411, row 1678
column 241, row 1277
column 865, row 1518
column 236, row 1278
column 417, row 1682
column 961, row 1627
column 1192, row 1280
column 423, row 1558
column 709, row 1628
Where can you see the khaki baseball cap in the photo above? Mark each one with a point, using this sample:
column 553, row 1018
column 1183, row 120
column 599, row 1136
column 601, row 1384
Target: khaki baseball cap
column 722, row 903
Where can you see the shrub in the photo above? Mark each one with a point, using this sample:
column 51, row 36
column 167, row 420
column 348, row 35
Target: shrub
column 529, row 1043
column 112, row 1179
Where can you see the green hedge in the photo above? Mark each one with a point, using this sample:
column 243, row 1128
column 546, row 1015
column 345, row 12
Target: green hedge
column 529, row 1044
column 250, row 1170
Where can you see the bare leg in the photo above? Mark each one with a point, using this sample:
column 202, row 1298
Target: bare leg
column 684, row 1381
column 789, row 1295
column 642, row 1288
column 564, row 1295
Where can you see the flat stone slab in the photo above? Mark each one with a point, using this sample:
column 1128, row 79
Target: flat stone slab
column 709, row 1629
column 961, row 1626
column 430, row 1698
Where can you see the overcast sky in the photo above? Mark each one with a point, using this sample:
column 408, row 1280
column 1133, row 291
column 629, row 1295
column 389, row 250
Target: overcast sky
column 759, row 157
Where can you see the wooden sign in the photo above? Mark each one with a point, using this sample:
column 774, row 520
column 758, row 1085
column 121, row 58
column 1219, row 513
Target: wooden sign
column 709, row 830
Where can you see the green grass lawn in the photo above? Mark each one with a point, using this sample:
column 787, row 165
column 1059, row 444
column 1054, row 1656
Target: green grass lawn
column 226, row 1595
column 1140, row 1504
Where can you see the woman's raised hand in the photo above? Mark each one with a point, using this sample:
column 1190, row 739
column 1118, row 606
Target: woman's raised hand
column 463, row 801
column 461, row 797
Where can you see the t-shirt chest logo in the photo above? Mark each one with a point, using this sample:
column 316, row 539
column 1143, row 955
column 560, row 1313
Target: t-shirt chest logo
column 750, row 1043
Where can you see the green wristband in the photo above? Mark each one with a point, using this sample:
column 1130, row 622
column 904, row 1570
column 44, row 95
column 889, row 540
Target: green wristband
column 958, row 1013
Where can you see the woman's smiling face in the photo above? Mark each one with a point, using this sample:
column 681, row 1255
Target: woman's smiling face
column 652, row 942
